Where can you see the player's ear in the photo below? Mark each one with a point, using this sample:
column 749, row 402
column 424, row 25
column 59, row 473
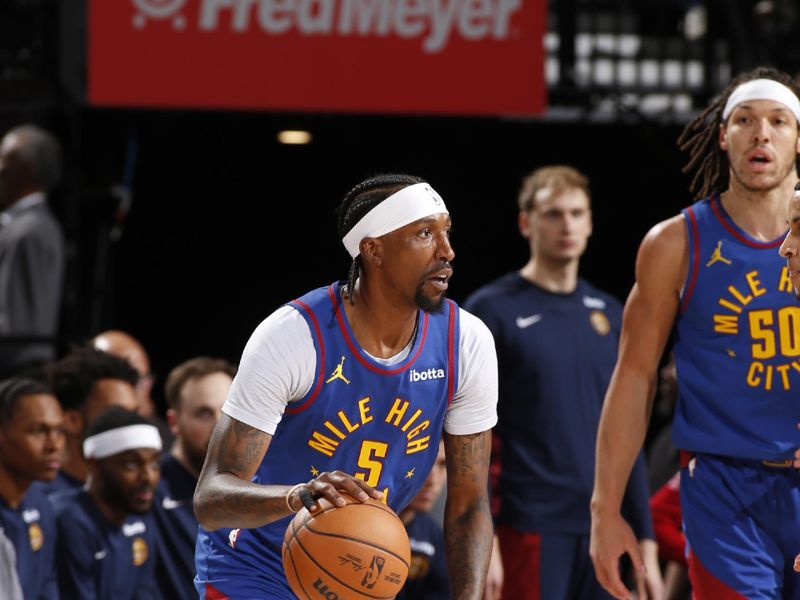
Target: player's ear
column 372, row 251
column 723, row 138
column 524, row 224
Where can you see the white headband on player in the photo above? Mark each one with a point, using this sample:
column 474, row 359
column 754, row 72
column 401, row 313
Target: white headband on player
column 762, row 89
column 121, row 439
column 405, row 206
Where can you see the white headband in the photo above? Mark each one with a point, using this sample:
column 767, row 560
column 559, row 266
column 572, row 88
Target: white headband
column 121, row 439
column 405, row 206
column 762, row 89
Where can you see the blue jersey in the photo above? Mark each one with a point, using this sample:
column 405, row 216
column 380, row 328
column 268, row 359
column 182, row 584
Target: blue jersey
column 381, row 424
column 63, row 482
column 555, row 354
column 737, row 343
column 176, row 531
column 31, row 528
column 99, row 559
column 427, row 577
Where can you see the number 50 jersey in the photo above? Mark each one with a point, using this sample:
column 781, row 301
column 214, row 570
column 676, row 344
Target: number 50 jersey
column 737, row 344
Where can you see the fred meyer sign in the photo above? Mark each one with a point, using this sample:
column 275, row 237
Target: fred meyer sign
column 457, row 57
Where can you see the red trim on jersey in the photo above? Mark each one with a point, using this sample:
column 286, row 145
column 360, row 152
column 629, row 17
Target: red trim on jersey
column 452, row 375
column 213, row 593
column 318, row 333
column 695, row 252
column 716, row 206
column 707, row 587
column 355, row 350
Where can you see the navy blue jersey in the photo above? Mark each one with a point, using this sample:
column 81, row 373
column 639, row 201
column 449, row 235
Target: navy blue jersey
column 31, row 528
column 381, row 424
column 556, row 353
column 427, row 577
column 98, row 559
column 63, row 482
column 176, row 531
column 737, row 343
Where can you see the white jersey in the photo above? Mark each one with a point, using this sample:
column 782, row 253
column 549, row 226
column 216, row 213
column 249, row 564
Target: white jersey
column 278, row 368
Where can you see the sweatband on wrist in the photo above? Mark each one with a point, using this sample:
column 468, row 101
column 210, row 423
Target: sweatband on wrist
column 121, row 439
column 405, row 206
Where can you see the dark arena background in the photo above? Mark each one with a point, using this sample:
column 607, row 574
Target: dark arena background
column 188, row 224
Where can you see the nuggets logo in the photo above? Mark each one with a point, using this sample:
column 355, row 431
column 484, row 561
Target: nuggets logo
column 139, row 551
column 159, row 10
column 419, row 567
column 36, row 537
column 600, row 322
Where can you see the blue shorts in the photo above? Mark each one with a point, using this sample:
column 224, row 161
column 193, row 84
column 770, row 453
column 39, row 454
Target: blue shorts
column 742, row 523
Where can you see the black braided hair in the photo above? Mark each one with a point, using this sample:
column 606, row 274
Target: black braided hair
column 700, row 138
column 359, row 201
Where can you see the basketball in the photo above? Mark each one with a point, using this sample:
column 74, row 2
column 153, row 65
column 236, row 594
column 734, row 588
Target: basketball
column 358, row 551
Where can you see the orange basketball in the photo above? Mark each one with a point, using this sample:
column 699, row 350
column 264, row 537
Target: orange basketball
column 358, row 551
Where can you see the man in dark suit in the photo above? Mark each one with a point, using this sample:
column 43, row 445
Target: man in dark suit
column 31, row 249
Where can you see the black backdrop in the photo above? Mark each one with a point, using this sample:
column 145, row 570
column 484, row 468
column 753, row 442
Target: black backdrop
column 226, row 224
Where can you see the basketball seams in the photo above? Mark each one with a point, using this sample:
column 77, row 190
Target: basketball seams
column 326, row 537
column 352, row 539
column 333, row 576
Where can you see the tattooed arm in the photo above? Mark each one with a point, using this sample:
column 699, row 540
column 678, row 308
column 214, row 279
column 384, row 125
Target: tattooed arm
column 225, row 496
column 468, row 528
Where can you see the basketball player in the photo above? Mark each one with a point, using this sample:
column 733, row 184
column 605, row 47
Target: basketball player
column 105, row 542
column 556, row 336
column 790, row 250
column 31, row 441
column 713, row 272
column 348, row 389
column 195, row 391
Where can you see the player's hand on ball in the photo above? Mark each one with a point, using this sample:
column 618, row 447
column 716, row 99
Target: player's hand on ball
column 328, row 485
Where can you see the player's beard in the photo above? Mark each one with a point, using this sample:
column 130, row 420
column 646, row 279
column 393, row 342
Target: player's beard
column 430, row 305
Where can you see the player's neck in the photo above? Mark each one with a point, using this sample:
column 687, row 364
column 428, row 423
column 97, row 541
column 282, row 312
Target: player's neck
column 762, row 214
column 407, row 515
column 113, row 513
column 382, row 329
column 72, row 462
column 560, row 277
column 13, row 489
column 178, row 450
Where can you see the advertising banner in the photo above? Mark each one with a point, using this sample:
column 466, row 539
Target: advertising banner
column 445, row 57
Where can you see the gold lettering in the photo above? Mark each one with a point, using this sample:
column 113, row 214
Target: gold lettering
column 398, row 410
column 415, row 432
column 784, row 371
column 730, row 305
column 754, row 284
column 412, row 419
column 335, row 431
column 726, row 324
column 363, row 409
column 417, row 445
column 784, row 283
column 743, row 300
column 350, row 428
column 322, row 443
column 752, row 379
column 768, row 382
